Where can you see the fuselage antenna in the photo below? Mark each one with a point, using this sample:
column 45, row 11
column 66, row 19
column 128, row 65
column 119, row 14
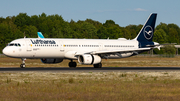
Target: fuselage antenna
column 24, row 35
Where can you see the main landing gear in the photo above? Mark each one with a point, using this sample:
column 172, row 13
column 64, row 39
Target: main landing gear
column 23, row 63
column 72, row 64
column 99, row 65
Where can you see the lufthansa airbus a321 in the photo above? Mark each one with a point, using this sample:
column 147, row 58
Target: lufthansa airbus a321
column 86, row 51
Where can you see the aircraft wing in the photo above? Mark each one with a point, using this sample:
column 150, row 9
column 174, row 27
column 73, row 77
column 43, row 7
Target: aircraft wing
column 113, row 51
column 119, row 51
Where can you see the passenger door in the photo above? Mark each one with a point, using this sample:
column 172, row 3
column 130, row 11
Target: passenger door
column 29, row 46
column 61, row 46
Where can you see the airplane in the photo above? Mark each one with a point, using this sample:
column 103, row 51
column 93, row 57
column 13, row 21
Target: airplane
column 86, row 51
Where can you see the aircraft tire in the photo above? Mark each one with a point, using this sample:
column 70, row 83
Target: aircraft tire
column 99, row 65
column 72, row 64
column 22, row 65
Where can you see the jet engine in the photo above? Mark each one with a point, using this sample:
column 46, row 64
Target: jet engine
column 89, row 59
column 51, row 61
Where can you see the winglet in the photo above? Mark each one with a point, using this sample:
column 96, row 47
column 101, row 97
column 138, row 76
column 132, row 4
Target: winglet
column 40, row 35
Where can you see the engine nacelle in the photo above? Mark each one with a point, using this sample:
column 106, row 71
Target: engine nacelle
column 89, row 59
column 51, row 61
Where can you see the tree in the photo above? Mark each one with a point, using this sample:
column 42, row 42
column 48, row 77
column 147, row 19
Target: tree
column 4, row 30
column 126, row 33
column 160, row 36
column 169, row 50
column 1, row 19
column 162, row 26
column 109, row 23
column 114, row 32
column 88, row 30
column 30, row 31
column 102, row 33
column 22, row 19
column 34, row 21
column 173, row 36
column 133, row 30
column 8, row 31
column 95, row 23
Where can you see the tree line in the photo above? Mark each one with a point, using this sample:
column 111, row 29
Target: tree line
column 54, row 26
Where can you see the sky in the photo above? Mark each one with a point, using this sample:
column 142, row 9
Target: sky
column 122, row 12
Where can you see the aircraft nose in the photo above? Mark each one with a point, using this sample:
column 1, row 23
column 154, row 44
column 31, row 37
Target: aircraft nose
column 5, row 51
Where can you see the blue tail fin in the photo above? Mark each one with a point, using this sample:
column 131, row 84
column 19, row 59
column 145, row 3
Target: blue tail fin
column 146, row 33
column 40, row 35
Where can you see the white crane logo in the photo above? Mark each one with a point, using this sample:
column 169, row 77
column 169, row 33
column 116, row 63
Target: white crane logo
column 148, row 32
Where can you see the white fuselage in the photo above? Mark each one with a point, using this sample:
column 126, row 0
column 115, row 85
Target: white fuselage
column 64, row 48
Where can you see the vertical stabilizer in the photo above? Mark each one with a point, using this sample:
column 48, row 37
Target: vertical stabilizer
column 146, row 33
column 40, row 35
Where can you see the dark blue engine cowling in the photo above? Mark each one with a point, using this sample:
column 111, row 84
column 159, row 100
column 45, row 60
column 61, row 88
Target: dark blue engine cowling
column 51, row 61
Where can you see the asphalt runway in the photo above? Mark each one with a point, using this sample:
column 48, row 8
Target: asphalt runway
column 91, row 69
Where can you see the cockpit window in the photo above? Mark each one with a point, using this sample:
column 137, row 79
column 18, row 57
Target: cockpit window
column 11, row 44
column 14, row 44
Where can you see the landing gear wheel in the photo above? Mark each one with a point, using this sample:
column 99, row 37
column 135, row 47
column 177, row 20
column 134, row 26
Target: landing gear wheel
column 22, row 65
column 99, row 65
column 72, row 64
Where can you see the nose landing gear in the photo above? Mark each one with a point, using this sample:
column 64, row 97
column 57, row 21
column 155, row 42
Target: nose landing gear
column 23, row 63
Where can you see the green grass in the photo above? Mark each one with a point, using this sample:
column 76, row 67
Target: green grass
column 91, row 86
column 80, row 86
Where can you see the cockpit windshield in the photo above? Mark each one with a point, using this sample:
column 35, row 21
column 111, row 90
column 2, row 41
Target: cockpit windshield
column 14, row 44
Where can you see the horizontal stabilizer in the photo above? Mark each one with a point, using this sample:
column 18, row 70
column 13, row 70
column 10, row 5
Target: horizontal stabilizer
column 152, row 45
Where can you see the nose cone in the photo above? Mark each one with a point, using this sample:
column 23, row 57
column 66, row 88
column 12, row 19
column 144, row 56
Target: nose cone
column 5, row 51
column 10, row 52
